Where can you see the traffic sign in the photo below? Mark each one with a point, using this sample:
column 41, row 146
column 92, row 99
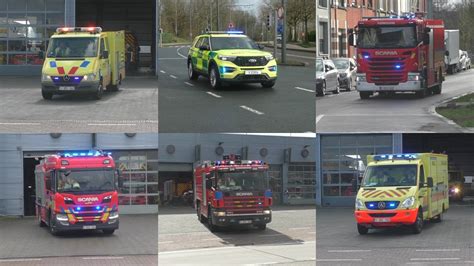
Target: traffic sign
column 281, row 12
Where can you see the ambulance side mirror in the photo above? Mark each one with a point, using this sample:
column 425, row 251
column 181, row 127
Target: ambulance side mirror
column 355, row 186
column 430, row 182
column 446, row 53
column 105, row 54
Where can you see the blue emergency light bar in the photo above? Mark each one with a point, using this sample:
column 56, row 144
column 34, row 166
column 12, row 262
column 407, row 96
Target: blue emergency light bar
column 226, row 32
column 92, row 153
column 407, row 156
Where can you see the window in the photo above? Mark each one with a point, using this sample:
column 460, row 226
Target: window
column 422, row 175
column 301, row 181
column 323, row 37
column 199, row 42
column 323, row 3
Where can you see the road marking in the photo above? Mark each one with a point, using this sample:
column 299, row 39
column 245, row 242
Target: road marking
column 318, row 118
column 213, row 94
column 102, row 258
column 303, row 89
column 174, row 77
column 177, row 51
column 17, row 260
column 336, row 260
column 251, row 110
column 20, row 124
column 164, row 72
column 350, row 250
column 299, row 228
column 190, row 84
column 440, row 250
column 432, row 259
column 112, row 125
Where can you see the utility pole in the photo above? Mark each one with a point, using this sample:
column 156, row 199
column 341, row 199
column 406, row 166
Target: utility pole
column 158, row 33
column 317, row 30
column 330, row 27
column 218, row 26
column 191, row 20
column 275, row 24
column 176, row 18
column 283, row 43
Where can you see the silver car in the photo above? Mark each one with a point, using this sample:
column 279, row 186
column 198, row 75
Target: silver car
column 327, row 77
column 464, row 60
column 347, row 72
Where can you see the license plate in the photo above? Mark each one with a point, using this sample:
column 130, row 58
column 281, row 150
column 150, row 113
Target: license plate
column 253, row 72
column 386, row 88
column 89, row 227
column 382, row 220
column 66, row 88
column 245, row 222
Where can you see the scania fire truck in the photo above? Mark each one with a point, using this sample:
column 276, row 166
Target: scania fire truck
column 232, row 192
column 77, row 191
column 402, row 190
column 399, row 54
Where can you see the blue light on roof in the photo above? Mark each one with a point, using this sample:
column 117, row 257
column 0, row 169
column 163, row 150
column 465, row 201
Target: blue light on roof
column 235, row 32
column 407, row 156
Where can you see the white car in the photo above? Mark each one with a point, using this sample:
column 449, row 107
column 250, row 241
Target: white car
column 327, row 77
column 464, row 61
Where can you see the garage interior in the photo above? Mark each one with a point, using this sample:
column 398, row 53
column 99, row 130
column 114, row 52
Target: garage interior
column 136, row 17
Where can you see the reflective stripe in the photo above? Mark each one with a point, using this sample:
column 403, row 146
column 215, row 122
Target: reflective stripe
column 73, row 70
column 61, row 70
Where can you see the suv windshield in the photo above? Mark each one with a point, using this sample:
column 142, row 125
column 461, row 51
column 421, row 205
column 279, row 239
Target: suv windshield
column 241, row 181
column 386, row 37
column 390, row 175
column 221, row 43
column 85, row 181
column 341, row 64
column 72, row 47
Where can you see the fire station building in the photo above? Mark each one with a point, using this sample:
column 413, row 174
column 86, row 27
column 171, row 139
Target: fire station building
column 291, row 162
column 342, row 158
column 26, row 25
column 136, row 155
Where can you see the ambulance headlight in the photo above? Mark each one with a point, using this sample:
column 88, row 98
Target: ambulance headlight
column 61, row 217
column 359, row 204
column 409, row 202
column 227, row 58
column 269, row 57
column 456, row 190
column 114, row 215
column 45, row 77
column 89, row 77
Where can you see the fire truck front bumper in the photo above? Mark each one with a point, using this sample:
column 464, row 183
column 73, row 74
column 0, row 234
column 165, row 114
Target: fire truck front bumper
column 64, row 225
column 409, row 86
column 241, row 219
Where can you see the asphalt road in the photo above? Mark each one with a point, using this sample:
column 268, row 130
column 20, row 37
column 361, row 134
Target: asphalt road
column 346, row 112
column 289, row 239
column 24, row 239
column 192, row 106
column 85, row 260
column 447, row 243
column 132, row 109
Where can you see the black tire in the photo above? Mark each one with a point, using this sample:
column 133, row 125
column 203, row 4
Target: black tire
column 262, row 226
column 108, row 231
column 337, row 90
column 115, row 87
column 215, row 78
column 439, row 217
column 192, row 75
column 322, row 90
column 364, row 95
column 417, row 227
column 362, row 229
column 100, row 91
column 421, row 93
column 210, row 222
column 201, row 218
column 268, row 84
column 47, row 95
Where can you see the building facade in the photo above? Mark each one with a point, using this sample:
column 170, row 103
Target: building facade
column 136, row 156
column 322, row 28
column 26, row 25
column 291, row 161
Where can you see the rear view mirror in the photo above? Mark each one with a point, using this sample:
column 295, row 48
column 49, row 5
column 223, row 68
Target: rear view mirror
column 105, row 54
column 430, row 182
column 203, row 48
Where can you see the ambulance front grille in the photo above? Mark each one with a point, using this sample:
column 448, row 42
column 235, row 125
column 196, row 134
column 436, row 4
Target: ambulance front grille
column 250, row 61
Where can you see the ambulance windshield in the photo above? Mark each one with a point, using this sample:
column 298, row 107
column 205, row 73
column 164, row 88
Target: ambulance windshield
column 390, row 175
column 221, row 43
column 386, row 37
column 85, row 181
column 241, row 181
column 72, row 47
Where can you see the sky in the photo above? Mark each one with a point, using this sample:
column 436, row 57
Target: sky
column 255, row 3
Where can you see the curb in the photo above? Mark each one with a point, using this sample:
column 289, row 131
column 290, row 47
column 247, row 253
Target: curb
column 432, row 110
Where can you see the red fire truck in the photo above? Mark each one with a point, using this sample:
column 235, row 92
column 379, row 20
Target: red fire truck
column 232, row 192
column 399, row 54
column 77, row 191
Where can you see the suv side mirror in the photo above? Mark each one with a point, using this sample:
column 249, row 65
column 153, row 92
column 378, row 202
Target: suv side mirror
column 204, row 48
column 105, row 54
column 261, row 47
column 355, row 186
column 430, row 182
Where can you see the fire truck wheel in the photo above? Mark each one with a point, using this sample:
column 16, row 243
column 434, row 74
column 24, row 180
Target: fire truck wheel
column 193, row 75
column 421, row 93
column 100, row 91
column 364, row 95
column 52, row 229
column 199, row 215
column 214, row 78
column 47, row 95
column 210, row 222
column 417, row 227
column 262, row 226
column 108, row 231
column 362, row 229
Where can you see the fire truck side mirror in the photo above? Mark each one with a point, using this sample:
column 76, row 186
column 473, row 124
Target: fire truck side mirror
column 47, row 183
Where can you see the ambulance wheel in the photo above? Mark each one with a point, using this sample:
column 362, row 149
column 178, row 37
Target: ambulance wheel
column 417, row 227
column 364, row 95
column 362, row 229
column 193, row 75
column 215, row 78
column 210, row 222
column 47, row 95
column 439, row 217
column 262, row 226
column 100, row 91
column 108, row 231
column 52, row 229
column 115, row 87
column 268, row 84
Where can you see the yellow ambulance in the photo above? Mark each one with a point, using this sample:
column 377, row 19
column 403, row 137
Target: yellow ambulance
column 83, row 60
column 402, row 190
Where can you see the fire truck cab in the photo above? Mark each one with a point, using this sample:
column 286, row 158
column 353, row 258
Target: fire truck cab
column 232, row 192
column 77, row 191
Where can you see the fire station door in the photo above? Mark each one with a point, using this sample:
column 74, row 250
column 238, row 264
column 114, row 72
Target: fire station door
column 29, row 184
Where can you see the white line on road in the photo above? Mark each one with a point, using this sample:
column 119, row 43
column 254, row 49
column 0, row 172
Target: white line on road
column 318, row 118
column 439, row 250
column 299, row 228
column 18, row 260
column 251, row 110
column 213, row 94
column 173, row 76
column 432, row 259
column 177, row 51
column 336, row 260
column 349, row 250
column 190, row 84
column 164, row 72
column 112, row 125
column 303, row 89
column 102, row 258
column 20, row 124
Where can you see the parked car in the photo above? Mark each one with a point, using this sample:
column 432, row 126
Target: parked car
column 465, row 61
column 347, row 72
column 327, row 77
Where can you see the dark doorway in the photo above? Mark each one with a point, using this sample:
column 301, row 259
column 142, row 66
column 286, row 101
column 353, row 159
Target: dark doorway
column 29, row 187
column 172, row 186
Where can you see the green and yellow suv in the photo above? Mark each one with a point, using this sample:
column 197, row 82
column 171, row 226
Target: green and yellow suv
column 230, row 57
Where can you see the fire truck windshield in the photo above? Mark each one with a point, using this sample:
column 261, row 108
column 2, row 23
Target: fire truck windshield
column 220, row 43
column 72, row 47
column 390, row 175
column 85, row 181
column 241, row 181
column 386, row 37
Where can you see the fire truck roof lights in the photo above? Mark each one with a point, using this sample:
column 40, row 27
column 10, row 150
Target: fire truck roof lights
column 407, row 156
column 79, row 29
column 92, row 153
